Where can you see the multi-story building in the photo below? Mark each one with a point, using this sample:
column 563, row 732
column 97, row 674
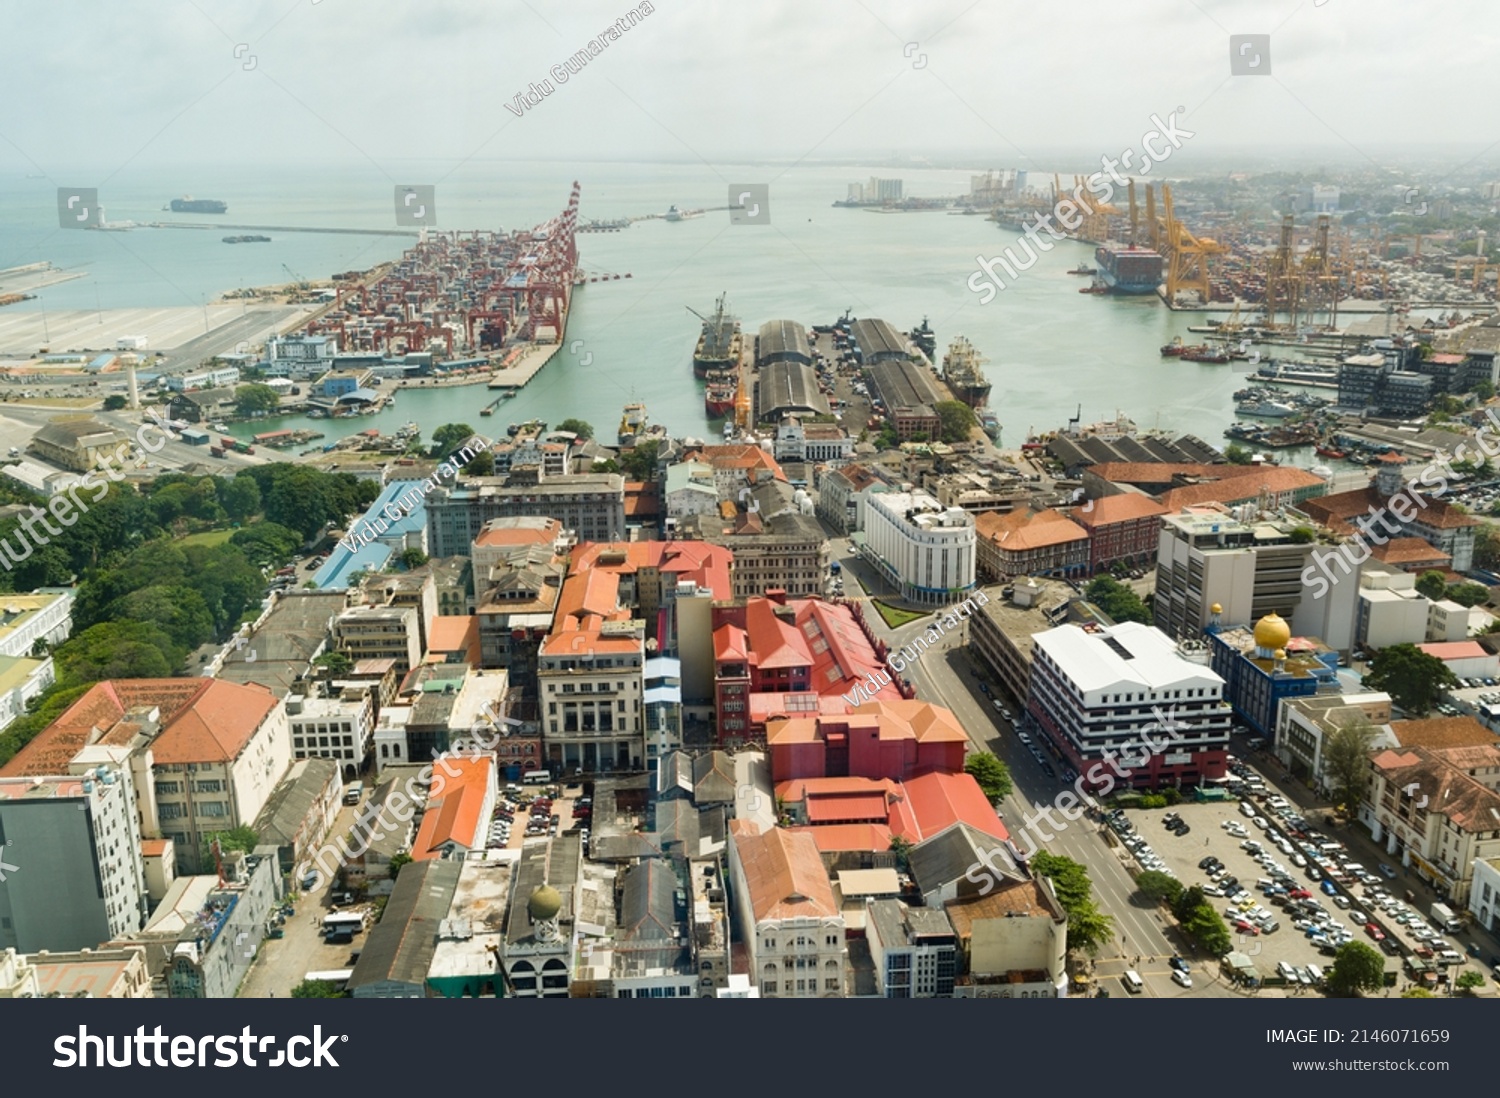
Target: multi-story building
column 827, row 443
column 925, row 550
column 1123, row 529
column 898, row 740
column 1003, row 632
column 914, row 949
column 1303, row 726
column 460, row 805
column 74, row 876
column 1437, row 810
column 118, row 973
column 1263, row 669
column 1206, row 556
column 776, row 542
column 540, row 930
column 787, row 913
column 44, row 615
column 300, row 813
column 1391, row 610
column 1012, row 941
column 339, row 728
column 1125, row 708
column 380, row 632
column 206, row 922
column 205, row 754
column 691, row 490
column 840, row 493
column 591, row 505
column 1024, row 542
column 78, row 443
column 22, row 679
column 415, row 589
column 300, row 357
column 1484, row 893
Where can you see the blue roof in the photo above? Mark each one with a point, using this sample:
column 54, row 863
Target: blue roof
column 398, row 522
column 366, row 395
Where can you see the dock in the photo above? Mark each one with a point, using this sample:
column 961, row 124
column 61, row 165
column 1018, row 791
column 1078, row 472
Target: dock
column 515, row 373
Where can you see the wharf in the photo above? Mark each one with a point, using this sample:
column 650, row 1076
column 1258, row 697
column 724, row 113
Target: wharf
column 515, row 373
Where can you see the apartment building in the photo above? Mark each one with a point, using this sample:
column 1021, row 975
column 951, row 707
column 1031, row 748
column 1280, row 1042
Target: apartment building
column 591, row 505
column 340, row 728
column 380, row 632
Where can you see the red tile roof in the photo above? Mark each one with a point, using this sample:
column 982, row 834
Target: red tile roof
column 1334, row 511
column 204, row 720
column 1272, row 480
column 784, row 873
column 937, row 801
column 455, row 807
column 1022, row 529
column 1125, row 507
column 859, row 837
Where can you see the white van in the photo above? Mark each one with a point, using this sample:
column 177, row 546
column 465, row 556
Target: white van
column 1317, row 975
column 1132, row 982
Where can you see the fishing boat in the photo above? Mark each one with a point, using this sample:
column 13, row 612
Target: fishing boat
column 1330, row 452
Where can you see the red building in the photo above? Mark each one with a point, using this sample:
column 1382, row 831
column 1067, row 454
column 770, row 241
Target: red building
column 913, row 810
column 882, row 739
column 1124, row 528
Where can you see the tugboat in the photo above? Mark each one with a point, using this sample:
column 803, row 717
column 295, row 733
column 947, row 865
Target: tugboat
column 719, row 344
column 1330, row 452
column 632, row 423
column 718, row 398
column 1083, row 269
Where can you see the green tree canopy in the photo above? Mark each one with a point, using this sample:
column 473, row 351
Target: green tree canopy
column 117, row 650
column 1469, row 980
column 1117, row 600
column 1302, row 535
column 992, row 775
column 317, row 989
column 1356, row 968
column 1346, row 762
column 1236, row 454
column 1432, row 584
column 1412, row 678
column 1156, row 885
column 450, row 437
column 639, row 462
column 1088, row 927
column 957, row 420
column 252, row 398
column 581, row 428
column 1468, row 594
column 114, row 402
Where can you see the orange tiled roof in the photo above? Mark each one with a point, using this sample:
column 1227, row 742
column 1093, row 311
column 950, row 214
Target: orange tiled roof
column 784, row 873
column 1334, row 511
column 1022, row 529
column 1125, row 507
column 1237, row 489
column 455, row 807
column 1410, row 551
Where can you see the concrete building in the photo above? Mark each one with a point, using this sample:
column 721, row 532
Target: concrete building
column 1391, row 610
column 300, row 812
column 1266, row 667
column 1003, row 630
column 898, row 740
column 691, row 490
column 339, row 728
column 379, row 632
column 205, row 755
column 1437, row 810
column 43, row 615
column 1303, row 726
column 591, row 505
column 1012, row 942
column 822, row 443
column 1025, row 542
column 74, row 876
column 1467, row 659
column 925, row 551
column 1127, row 689
column 88, row 974
column 840, row 495
column 787, row 913
column 210, row 928
column 1484, row 894
column 784, row 552
column 300, row 357
column 540, row 919
column 78, row 444
column 1122, row 529
column 914, row 949
column 907, row 395
column 1207, row 556
column 22, row 679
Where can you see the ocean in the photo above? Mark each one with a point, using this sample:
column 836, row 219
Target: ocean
column 1051, row 352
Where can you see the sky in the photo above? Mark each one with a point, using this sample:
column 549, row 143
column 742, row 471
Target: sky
column 382, row 83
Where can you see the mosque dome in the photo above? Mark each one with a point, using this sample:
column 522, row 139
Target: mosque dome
column 1272, row 632
column 544, row 904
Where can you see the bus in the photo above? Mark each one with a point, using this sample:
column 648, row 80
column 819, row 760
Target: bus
column 343, row 920
column 338, row 977
column 536, row 777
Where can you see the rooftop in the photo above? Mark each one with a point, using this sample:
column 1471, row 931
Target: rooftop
column 784, row 873
column 1129, row 654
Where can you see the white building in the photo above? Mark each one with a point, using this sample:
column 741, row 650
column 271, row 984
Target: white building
column 920, row 546
column 1304, row 724
column 591, row 686
column 25, row 619
column 74, row 876
column 340, row 728
column 1391, row 610
column 1484, row 894
column 21, row 680
column 204, row 379
column 691, row 489
column 390, row 736
column 787, row 912
column 1126, row 708
column 825, row 443
column 914, row 950
column 301, row 358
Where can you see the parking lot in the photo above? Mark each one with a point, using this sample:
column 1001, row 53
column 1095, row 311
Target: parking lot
column 529, row 812
column 1290, row 894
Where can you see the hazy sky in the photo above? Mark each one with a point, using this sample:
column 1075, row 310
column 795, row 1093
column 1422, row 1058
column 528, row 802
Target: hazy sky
column 383, row 82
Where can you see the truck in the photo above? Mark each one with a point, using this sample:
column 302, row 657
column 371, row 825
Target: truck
column 1444, row 918
column 216, row 451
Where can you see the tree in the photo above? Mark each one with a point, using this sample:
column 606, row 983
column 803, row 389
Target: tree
column 956, row 420
column 1469, row 980
column 1088, row 927
column 242, row 839
column 1158, row 886
column 317, row 989
column 335, row 665
column 449, row 437
column 1191, row 898
column 1432, row 584
column 1205, row 927
column 1346, row 762
column 1487, row 546
column 1356, row 968
column 483, row 464
column 1412, row 678
column 579, row 427
column 1468, row 594
column 1484, row 391
column 1417, row 993
column 397, row 861
column 1302, row 535
column 252, row 398
column 412, row 558
column 114, row 402
column 992, row 775
column 608, row 465
column 240, row 497
column 1118, row 601
column 117, row 650
column 639, row 463
column 901, row 848
column 1236, row 454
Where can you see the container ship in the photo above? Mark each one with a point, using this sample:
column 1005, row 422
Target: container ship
column 254, row 238
column 190, row 205
column 962, row 373
column 719, row 344
column 1124, row 269
column 718, row 398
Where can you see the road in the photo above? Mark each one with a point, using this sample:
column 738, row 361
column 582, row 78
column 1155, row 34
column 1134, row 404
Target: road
column 947, row 676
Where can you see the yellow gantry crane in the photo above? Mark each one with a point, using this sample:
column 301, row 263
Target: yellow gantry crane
column 1187, row 256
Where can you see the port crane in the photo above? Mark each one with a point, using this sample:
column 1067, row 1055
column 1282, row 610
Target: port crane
column 300, row 282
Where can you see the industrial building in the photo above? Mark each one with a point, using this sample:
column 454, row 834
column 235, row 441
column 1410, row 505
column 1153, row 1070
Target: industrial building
column 788, row 389
column 782, row 341
column 908, row 397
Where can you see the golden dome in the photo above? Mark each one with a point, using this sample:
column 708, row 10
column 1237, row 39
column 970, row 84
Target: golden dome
column 1279, row 654
column 1272, row 632
column 545, row 903
column 1216, row 609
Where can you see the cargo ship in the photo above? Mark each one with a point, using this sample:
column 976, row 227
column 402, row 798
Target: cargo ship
column 251, row 239
column 632, row 423
column 718, row 398
column 962, row 373
column 719, row 344
column 187, row 204
column 1125, row 269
